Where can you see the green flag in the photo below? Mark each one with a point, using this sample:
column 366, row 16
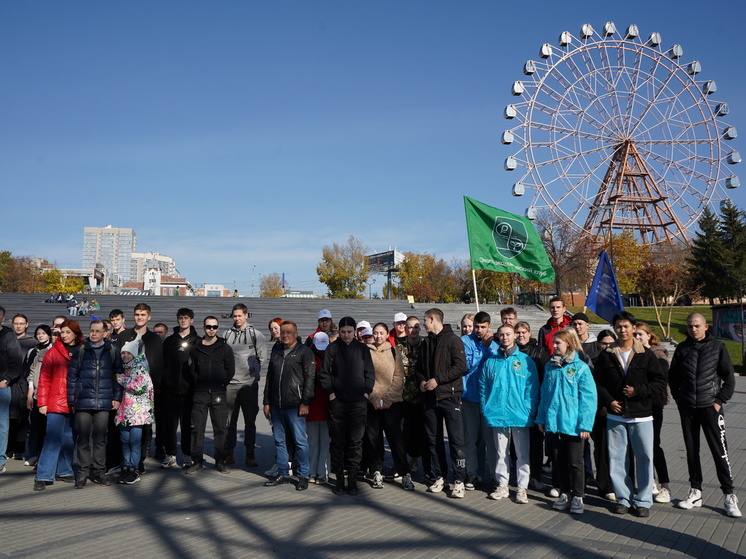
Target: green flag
column 504, row 242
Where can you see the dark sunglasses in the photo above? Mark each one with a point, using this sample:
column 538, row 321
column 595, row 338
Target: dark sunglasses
column 211, row 326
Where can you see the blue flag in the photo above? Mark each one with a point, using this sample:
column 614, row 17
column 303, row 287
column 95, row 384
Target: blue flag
column 604, row 298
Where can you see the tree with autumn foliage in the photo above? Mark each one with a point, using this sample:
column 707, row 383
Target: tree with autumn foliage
column 270, row 286
column 344, row 269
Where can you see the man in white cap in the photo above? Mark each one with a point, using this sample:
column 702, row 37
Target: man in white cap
column 324, row 325
column 398, row 334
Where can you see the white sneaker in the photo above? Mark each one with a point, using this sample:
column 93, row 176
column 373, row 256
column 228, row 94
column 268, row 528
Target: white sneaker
column 272, row 472
column 521, row 496
column 694, row 499
column 656, row 489
column 377, row 480
column 169, row 462
column 563, row 503
column 663, row 496
column 576, row 507
column 554, row 492
column 731, row 506
column 501, row 492
column 610, row 497
column 469, row 486
column 459, row 491
column 437, row 486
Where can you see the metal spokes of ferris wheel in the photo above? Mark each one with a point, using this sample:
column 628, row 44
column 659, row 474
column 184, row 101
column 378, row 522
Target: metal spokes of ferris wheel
column 616, row 132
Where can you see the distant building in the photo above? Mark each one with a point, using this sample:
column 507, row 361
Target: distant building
column 112, row 247
column 142, row 261
column 213, row 290
column 157, row 283
column 295, row 294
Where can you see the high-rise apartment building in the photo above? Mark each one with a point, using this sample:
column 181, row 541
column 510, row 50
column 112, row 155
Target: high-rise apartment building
column 111, row 247
column 143, row 261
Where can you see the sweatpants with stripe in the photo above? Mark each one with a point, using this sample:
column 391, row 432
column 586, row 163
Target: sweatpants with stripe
column 712, row 423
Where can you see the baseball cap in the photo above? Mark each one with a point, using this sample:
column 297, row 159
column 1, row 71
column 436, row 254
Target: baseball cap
column 320, row 341
column 400, row 317
column 367, row 331
column 324, row 313
column 364, row 324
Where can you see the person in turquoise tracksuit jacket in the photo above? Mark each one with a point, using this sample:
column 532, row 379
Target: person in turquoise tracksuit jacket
column 509, row 396
column 568, row 407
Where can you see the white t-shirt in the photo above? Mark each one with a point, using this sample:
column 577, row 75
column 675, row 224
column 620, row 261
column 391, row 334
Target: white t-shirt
column 624, row 358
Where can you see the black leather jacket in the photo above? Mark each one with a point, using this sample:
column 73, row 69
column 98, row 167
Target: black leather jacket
column 291, row 377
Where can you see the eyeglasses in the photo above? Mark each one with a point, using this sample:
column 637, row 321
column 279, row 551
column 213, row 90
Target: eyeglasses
column 211, row 326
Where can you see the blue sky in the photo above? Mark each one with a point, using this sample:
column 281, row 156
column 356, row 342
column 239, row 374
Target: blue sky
column 240, row 137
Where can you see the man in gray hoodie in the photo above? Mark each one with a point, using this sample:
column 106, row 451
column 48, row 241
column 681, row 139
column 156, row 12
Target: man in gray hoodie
column 250, row 351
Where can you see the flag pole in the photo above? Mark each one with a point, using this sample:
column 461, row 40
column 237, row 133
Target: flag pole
column 474, row 280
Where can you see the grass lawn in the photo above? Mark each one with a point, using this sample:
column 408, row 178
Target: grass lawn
column 678, row 326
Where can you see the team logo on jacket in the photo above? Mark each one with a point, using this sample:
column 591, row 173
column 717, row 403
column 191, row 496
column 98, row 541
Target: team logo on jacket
column 570, row 372
column 516, row 365
column 510, row 236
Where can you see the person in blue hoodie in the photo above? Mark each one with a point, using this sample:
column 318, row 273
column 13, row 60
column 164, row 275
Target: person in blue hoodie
column 567, row 408
column 480, row 448
column 509, row 396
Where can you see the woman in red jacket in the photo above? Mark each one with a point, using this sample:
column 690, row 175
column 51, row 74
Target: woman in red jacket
column 57, row 453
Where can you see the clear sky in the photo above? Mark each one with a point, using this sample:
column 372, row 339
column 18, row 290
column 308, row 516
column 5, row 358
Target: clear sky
column 240, row 137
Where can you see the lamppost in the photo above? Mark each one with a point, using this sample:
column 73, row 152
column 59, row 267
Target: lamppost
column 370, row 287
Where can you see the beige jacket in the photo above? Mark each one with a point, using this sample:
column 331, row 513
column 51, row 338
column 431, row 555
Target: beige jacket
column 389, row 376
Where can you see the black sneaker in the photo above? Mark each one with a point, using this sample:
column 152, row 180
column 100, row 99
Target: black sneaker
column 302, row 484
column 339, row 486
column 352, row 487
column 641, row 512
column 132, row 477
column 39, row 485
column 277, row 480
column 619, row 508
column 192, row 468
column 100, row 479
column 80, row 483
column 222, row 468
column 65, row 479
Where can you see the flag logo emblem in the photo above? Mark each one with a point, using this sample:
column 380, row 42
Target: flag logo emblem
column 510, row 236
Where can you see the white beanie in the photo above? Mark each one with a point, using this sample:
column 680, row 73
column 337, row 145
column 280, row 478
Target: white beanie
column 132, row 347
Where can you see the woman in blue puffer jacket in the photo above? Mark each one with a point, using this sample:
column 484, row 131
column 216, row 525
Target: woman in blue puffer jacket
column 509, row 396
column 567, row 408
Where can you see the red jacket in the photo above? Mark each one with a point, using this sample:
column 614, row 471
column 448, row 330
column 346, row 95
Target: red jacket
column 546, row 332
column 319, row 408
column 52, row 391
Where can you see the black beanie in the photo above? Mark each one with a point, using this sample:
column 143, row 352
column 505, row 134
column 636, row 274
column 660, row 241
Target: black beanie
column 347, row 321
column 44, row 327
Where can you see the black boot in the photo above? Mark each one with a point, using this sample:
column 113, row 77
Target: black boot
column 352, row 484
column 339, row 488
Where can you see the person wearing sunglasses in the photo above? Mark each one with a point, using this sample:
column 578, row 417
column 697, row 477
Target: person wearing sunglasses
column 212, row 367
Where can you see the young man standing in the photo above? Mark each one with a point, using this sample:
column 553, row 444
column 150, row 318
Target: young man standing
column 479, row 442
column 10, row 371
column 628, row 378
column 249, row 352
column 288, row 393
column 20, row 327
column 177, row 391
column 440, row 366
column 212, row 368
column 558, row 320
column 702, row 381
column 509, row 316
column 116, row 317
column 153, row 346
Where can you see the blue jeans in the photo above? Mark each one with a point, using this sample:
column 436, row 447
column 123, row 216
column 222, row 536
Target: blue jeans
column 288, row 418
column 640, row 438
column 4, row 423
column 57, row 452
column 131, row 438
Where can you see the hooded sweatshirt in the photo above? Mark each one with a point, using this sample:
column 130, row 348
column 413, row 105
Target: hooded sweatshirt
column 389, row 373
column 248, row 359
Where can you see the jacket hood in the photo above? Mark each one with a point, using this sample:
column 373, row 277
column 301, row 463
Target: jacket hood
column 566, row 321
column 385, row 346
column 637, row 347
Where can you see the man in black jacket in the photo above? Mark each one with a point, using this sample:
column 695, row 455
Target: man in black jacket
column 702, row 380
column 288, row 393
column 629, row 378
column 176, row 390
column 347, row 375
column 212, row 367
column 11, row 360
column 439, row 369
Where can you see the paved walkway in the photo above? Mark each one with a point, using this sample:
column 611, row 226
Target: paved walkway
column 214, row 515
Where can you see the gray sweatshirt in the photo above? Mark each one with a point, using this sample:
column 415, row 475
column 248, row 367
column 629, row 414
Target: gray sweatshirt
column 248, row 360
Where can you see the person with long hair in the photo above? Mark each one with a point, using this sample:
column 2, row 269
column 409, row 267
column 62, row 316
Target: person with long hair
column 55, row 461
column 567, row 408
column 32, row 369
column 661, row 491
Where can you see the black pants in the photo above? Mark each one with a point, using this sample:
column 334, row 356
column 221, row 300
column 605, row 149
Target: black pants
column 601, row 455
column 712, row 424
column 536, row 451
column 570, row 465
column 114, row 456
column 90, row 443
column 242, row 399
column 413, row 429
column 659, row 457
column 38, row 428
column 386, row 421
column 346, row 429
column 17, row 433
column 215, row 403
column 448, row 410
column 159, row 421
column 176, row 410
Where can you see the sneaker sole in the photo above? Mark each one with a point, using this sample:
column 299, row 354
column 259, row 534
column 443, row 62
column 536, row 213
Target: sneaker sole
column 694, row 505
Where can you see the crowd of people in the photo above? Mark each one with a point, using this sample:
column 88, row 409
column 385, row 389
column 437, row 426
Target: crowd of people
column 585, row 410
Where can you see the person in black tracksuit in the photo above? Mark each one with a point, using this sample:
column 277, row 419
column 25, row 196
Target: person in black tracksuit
column 176, row 390
column 212, row 367
column 440, row 366
column 702, row 380
column 348, row 377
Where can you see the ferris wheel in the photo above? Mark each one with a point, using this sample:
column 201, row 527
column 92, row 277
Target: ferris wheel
column 616, row 132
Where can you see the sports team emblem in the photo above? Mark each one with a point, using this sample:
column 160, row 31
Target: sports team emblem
column 510, row 236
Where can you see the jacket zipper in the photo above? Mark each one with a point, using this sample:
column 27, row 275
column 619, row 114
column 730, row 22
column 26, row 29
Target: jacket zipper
column 279, row 384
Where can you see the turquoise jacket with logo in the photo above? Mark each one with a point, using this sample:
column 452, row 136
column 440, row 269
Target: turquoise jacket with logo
column 509, row 389
column 568, row 397
column 476, row 353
